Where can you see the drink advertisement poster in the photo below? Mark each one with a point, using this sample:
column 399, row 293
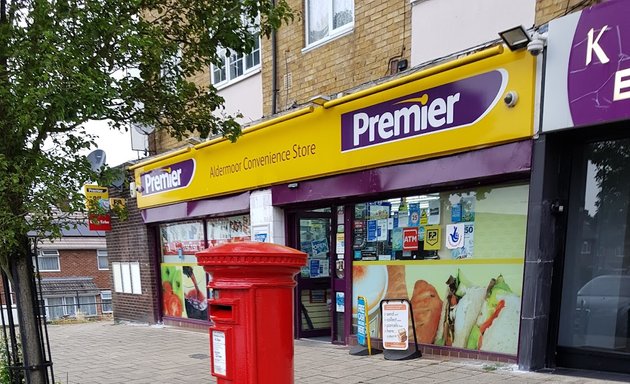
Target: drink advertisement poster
column 395, row 325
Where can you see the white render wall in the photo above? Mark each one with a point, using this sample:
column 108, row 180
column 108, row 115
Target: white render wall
column 246, row 97
column 265, row 217
column 442, row 27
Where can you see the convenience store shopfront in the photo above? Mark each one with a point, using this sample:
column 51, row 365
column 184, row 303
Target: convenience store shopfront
column 437, row 154
column 582, row 184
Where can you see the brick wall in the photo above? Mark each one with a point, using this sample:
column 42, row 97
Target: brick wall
column 547, row 10
column 133, row 241
column 81, row 263
column 382, row 30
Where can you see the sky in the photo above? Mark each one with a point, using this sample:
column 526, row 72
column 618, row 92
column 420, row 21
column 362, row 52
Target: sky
column 116, row 144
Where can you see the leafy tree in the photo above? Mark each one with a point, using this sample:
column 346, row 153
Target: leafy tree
column 65, row 62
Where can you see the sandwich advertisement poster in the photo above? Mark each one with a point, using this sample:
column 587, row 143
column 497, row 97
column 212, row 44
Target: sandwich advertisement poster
column 470, row 304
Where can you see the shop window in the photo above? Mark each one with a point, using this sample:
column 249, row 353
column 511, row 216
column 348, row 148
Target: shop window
column 595, row 307
column 457, row 256
column 101, row 259
column 180, row 241
column 48, row 260
column 228, row 229
column 106, row 302
column 184, row 293
column 327, row 19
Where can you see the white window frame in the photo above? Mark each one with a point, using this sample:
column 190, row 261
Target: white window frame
column 332, row 33
column 48, row 253
column 230, row 58
column 101, row 253
column 233, row 59
column 107, row 295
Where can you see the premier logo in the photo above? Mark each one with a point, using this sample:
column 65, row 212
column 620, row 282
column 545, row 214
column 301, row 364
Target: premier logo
column 453, row 105
column 168, row 178
column 417, row 117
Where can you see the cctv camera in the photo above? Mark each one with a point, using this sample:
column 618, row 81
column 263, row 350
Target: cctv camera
column 537, row 45
column 510, row 99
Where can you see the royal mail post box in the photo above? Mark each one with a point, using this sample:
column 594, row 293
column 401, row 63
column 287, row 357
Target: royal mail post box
column 250, row 302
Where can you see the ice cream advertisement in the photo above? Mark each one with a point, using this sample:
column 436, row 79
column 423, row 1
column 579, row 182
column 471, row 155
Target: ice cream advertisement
column 468, row 304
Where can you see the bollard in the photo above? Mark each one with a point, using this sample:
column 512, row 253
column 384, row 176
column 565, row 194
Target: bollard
column 250, row 305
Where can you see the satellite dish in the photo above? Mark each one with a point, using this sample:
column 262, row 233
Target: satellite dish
column 96, row 159
column 119, row 179
column 143, row 129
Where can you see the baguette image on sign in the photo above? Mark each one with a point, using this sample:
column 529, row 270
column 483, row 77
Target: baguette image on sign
column 395, row 325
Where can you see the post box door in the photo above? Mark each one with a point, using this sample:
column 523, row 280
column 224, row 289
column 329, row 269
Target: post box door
column 314, row 294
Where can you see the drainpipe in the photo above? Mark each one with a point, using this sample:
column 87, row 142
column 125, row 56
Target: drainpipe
column 274, row 71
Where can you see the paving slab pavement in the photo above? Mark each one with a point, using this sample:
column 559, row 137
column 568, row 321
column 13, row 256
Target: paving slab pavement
column 105, row 353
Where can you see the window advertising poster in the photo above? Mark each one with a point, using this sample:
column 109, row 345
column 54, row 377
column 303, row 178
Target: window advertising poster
column 432, row 237
column 397, row 239
column 454, row 235
column 359, row 234
column 184, row 291
column 466, row 251
column 468, row 208
column 456, row 213
column 228, row 229
column 319, row 248
column 181, row 239
column 414, row 215
column 379, row 210
column 472, row 305
column 382, row 229
column 434, row 212
column 372, row 231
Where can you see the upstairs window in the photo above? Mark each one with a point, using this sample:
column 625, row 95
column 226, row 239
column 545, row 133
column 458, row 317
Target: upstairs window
column 48, row 260
column 326, row 19
column 235, row 66
column 101, row 258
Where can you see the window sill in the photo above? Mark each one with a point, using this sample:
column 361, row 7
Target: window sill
column 327, row 40
column 238, row 79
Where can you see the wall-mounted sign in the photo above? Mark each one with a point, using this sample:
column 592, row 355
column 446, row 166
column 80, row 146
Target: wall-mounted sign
column 587, row 68
column 447, row 112
column 97, row 201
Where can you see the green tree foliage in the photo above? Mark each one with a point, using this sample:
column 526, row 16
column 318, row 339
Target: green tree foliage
column 65, row 62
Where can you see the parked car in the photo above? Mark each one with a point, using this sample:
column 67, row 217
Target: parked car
column 603, row 309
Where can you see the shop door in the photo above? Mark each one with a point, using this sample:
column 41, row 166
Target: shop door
column 312, row 235
column 594, row 325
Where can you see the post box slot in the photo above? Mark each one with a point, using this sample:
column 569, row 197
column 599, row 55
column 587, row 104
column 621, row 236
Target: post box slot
column 221, row 311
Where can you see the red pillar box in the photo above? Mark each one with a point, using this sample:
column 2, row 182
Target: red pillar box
column 250, row 304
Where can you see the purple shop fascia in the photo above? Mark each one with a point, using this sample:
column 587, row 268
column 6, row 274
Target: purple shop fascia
column 587, row 79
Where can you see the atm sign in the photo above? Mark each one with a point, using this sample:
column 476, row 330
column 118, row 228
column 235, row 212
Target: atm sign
column 410, row 239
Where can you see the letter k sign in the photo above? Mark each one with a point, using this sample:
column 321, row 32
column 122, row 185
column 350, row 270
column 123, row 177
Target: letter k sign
column 593, row 46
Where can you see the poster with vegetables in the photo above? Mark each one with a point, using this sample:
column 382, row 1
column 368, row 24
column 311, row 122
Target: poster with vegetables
column 184, row 292
column 172, row 291
column 472, row 304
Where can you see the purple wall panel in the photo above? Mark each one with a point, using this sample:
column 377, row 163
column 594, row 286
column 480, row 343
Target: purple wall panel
column 179, row 211
column 488, row 162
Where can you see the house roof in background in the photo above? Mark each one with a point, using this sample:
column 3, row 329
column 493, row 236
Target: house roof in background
column 69, row 285
column 75, row 237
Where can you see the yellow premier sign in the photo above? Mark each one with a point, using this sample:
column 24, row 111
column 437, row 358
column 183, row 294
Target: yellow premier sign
column 446, row 109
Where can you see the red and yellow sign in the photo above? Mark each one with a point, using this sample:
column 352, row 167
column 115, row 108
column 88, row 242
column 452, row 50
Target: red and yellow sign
column 97, row 202
column 427, row 114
